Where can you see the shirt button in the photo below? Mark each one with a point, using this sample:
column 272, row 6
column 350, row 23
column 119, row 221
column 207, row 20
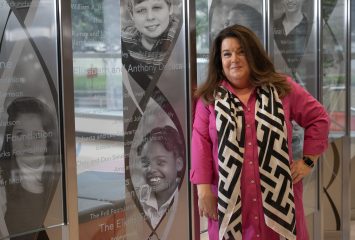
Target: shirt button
column 248, row 109
column 256, row 217
column 248, row 125
column 257, row 235
column 249, row 143
column 254, row 199
column 252, row 181
column 250, row 162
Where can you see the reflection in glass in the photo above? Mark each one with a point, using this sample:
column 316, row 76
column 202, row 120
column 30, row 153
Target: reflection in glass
column 98, row 118
column 334, row 99
column 334, row 65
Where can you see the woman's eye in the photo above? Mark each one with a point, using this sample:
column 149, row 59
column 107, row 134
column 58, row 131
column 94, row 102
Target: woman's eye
column 18, row 134
column 157, row 8
column 145, row 164
column 161, row 163
column 226, row 54
column 140, row 10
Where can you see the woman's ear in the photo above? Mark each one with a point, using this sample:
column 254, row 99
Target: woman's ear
column 179, row 164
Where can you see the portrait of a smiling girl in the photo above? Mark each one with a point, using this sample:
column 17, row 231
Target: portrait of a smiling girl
column 162, row 157
column 30, row 164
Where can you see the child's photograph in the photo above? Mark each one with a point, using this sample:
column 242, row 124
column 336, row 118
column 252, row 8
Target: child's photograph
column 156, row 164
column 225, row 13
column 148, row 33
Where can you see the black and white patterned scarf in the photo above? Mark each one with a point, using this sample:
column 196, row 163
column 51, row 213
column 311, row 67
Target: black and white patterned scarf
column 274, row 167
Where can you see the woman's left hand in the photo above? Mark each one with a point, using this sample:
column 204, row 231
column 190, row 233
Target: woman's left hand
column 299, row 170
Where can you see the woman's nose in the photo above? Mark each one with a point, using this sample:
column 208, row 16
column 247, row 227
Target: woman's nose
column 235, row 57
column 27, row 142
column 150, row 14
column 151, row 168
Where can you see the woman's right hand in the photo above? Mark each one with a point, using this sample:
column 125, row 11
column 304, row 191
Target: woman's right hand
column 207, row 201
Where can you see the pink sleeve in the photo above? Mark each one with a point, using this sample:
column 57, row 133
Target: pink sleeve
column 312, row 116
column 201, row 146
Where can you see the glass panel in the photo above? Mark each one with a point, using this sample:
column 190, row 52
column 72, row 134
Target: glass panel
column 352, row 120
column 334, row 99
column 334, row 64
column 115, row 193
column 153, row 56
column 98, row 118
column 202, row 38
column 31, row 197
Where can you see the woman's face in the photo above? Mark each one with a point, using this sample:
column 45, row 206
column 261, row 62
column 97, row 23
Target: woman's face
column 160, row 167
column 29, row 142
column 151, row 17
column 234, row 62
column 292, row 5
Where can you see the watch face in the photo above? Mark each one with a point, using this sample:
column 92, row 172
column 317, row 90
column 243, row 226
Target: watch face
column 308, row 161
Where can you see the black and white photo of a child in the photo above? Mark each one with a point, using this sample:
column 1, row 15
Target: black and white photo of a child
column 224, row 13
column 161, row 154
column 247, row 16
column 30, row 165
column 148, row 37
column 291, row 33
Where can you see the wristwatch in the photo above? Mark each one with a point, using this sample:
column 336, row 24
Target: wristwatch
column 308, row 161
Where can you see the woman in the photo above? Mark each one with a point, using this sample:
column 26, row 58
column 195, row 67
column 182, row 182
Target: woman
column 30, row 163
column 241, row 141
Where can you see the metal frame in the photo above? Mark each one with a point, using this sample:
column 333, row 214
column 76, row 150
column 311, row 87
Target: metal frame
column 346, row 163
column 267, row 33
column 71, row 228
column 318, row 226
column 191, row 83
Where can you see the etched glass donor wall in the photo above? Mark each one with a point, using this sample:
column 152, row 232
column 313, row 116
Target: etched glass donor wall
column 30, row 160
column 154, row 107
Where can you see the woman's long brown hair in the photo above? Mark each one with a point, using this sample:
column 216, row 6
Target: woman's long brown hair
column 262, row 69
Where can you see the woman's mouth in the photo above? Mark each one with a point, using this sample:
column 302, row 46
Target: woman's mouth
column 236, row 68
column 152, row 28
column 154, row 180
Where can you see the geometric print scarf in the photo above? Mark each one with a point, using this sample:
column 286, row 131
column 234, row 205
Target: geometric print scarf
column 274, row 167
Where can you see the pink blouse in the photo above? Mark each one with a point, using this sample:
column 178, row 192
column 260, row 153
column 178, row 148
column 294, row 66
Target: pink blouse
column 299, row 106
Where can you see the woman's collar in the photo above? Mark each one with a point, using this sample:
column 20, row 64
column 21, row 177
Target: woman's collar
column 229, row 87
